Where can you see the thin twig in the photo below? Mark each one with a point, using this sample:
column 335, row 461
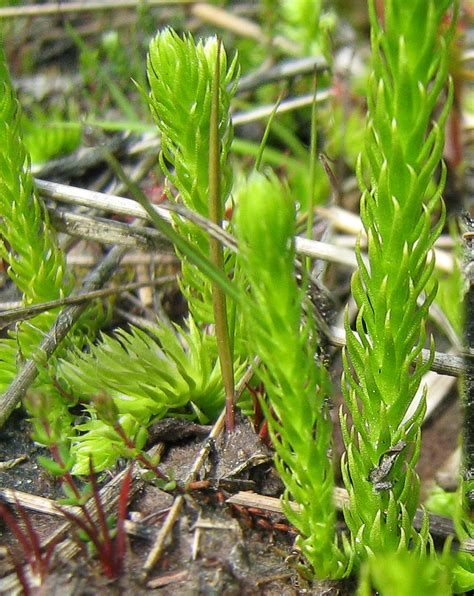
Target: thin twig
column 81, row 160
column 55, row 8
column 106, row 231
column 312, row 168
column 247, row 117
column 24, row 313
column 283, row 70
column 443, row 363
column 350, row 223
column 128, row 207
column 132, row 259
column 194, row 255
column 468, row 398
column 288, row 105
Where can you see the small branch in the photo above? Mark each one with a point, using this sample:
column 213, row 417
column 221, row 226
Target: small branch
column 194, row 255
column 288, row 105
column 28, row 312
column 108, row 232
column 133, row 259
column 126, row 207
column 318, row 250
column 443, row 363
column 284, row 70
column 55, row 8
column 81, row 160
column 312, row 168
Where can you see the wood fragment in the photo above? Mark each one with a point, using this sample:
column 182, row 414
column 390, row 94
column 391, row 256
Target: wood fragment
column 283, row 70
column 132, row 259
column 166, row 580
column 130, row 208
column 446, row 364
column 437, row 388
column 159, row 545
column 80, row 161
column 50, row 507
column 106, row 231
column 12, row 463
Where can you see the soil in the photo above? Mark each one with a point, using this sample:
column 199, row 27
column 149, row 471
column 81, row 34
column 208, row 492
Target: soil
column 214, row 547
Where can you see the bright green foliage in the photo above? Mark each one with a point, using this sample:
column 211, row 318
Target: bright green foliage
column 450, row 296
column 106, row 74
column 98, row 441
column 28, row 244
column 161, row 373
column 48, row 140
column 301, row 18
column 382, row 363
column 344, row 133
column 180, row 75
column 149, row 376
column 36, row 264
column 304, row 22
column 403, row 573
column 463, row 571
column 450, row 504
column 296, row 385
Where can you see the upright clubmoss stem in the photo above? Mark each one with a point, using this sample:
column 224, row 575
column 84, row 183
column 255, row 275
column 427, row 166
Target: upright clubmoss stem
column 383, row 367
column 217, row 256
column 295, row 381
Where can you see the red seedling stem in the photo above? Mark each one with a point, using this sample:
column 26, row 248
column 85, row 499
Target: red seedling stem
column 145, row 461
column 111, row 552
column 121, row 516
column 38, row 558
column 106, row 543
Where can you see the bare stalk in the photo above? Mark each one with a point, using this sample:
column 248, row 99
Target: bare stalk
column 217, row 257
